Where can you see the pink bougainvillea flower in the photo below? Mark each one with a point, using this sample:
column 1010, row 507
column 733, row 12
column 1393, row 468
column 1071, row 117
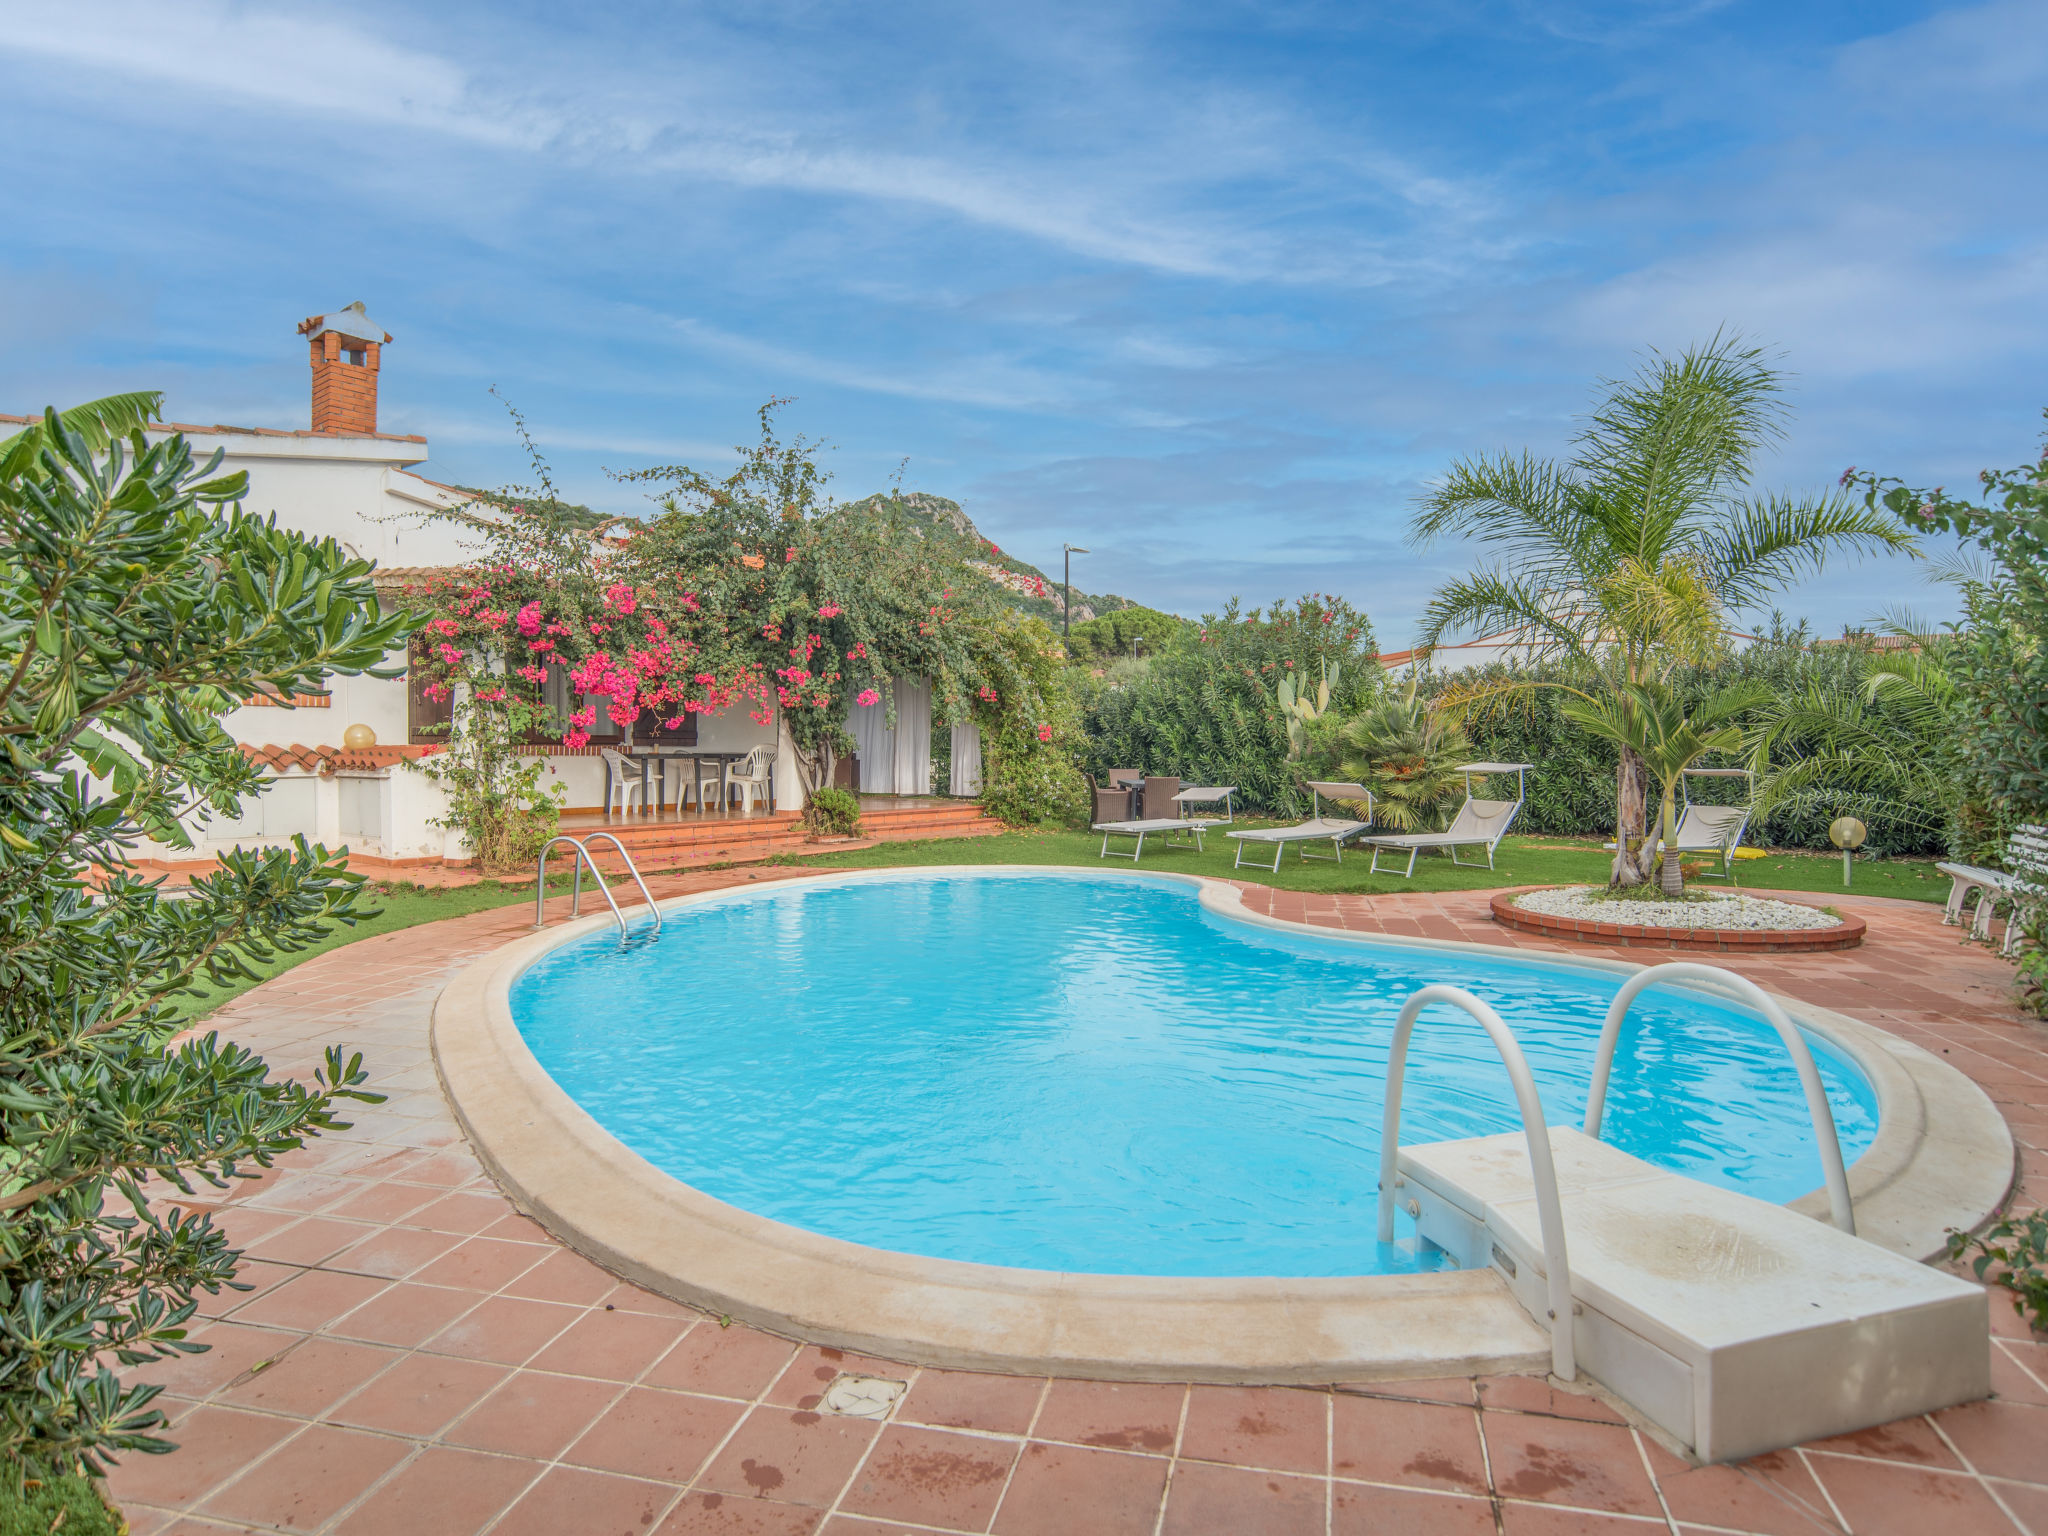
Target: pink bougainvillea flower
column 868, row 696
column 529, row 619
column 535, row 675
column 620, row 597
column 1045, row 733
column 788, row 558
column 490, row 695
column 450, row 654
column 830, row 611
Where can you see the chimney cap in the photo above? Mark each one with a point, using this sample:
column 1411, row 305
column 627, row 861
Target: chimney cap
column 350, row 322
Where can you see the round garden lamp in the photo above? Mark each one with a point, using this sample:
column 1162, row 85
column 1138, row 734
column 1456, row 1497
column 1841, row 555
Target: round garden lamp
column 1847, row 834
column 357, row 737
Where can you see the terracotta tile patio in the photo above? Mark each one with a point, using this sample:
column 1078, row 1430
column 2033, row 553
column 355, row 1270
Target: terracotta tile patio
column 416, row 1358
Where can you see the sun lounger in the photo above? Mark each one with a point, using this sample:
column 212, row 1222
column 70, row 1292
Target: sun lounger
column 1478, row 824
column 1156, row 826
column 1318, row 829
column 1711, row 828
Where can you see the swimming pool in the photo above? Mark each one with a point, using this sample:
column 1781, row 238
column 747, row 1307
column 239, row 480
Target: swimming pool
column 1097, row 1074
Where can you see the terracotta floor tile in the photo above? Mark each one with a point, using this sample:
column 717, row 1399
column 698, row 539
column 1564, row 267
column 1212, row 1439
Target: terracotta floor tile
column 1538, row 1394
column 309, row 1241
column 504, row 1329
column 443, row 1492
column 533, row 1415
column 1773, row 1495
column 481, row 1264
column 1232, row 1501
column 518, row 1229
column 386, row 1200
column 1447, row 1389
column 394, row 1252
column 1544, row 1520
column 309, row 1300
column 931, row 1477
column 464, row 1212
column 569, row 1499
column 726, row 1362
column 1274, row 1427
column 722, row 1514
column 619, row 1346
column 1060, row 1490
column 260, row 1278
column 803, row 1383
column 1001, row 1405
column 420, row 1395
column 213, row 1444
column 308, row 1378
column 1356, row 1511
column 2029, row 1501
column 794, row 1455
column 307, row 1480
column 232, row 1349
column 2000, row 1439
column 563, row 1276
column 1568, row 1461
column 1112, row 1415
column 1880, row 1499
column 1912, row 1440
column 657, row 1434
column 632, row 1298
column 302, row 1192
column 405, row 1315
column 1418, row 1445
column 2019, row 1372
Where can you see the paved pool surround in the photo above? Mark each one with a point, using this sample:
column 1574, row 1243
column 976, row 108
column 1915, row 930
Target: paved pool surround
column 1943, row 1158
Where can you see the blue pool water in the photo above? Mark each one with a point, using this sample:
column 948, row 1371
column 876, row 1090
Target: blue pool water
column 1096, row 1074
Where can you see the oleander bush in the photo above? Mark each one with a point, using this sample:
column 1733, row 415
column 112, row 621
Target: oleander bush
column 138, row 604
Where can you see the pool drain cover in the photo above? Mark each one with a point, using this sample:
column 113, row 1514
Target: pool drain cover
column 862, row 1397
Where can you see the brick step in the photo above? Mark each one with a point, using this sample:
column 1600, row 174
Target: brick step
column 740, row 844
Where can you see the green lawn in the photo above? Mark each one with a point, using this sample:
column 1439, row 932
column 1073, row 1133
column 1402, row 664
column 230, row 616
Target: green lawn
column 1520, row 861
column 398, row 906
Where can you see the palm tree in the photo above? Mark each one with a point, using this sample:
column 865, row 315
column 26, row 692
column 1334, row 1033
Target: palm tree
column 1624, row 560
column 1882, row 747
column 1407, row 754
column 1650, row 720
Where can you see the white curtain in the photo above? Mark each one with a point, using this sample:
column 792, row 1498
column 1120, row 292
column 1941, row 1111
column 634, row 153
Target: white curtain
column 966, row 781
column 899, row 761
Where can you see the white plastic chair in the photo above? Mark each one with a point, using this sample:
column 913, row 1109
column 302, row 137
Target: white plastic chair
column 754, row 776
column 626, row 785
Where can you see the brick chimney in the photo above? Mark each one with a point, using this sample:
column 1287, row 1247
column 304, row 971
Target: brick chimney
column 344, row 347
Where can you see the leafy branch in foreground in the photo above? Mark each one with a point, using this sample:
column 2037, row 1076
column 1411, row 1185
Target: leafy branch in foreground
column 138, row 602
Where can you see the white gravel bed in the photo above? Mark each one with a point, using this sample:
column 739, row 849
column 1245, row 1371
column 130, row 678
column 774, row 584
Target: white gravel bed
column 1726, row 910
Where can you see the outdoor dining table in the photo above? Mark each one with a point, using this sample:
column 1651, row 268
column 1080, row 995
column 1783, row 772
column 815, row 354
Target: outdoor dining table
column 647, row 756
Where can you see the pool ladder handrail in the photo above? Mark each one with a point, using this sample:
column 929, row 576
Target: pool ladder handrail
column 1549, row 1210
column 1824, row 1132
column 583, row 856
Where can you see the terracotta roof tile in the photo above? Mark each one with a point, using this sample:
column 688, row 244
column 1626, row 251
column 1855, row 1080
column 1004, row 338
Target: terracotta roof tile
column 330, row 760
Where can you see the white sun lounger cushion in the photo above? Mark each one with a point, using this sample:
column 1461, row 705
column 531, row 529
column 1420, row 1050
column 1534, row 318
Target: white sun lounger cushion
column 1308, row 831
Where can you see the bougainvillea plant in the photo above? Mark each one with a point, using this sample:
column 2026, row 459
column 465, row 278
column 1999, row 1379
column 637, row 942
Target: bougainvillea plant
column 754, row 592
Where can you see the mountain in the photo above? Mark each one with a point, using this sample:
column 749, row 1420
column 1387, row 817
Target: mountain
column 1028, row 589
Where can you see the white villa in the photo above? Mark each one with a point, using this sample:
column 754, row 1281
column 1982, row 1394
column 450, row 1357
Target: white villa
column 342, row 478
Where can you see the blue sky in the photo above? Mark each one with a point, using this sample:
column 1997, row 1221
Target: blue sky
column 1210, row 289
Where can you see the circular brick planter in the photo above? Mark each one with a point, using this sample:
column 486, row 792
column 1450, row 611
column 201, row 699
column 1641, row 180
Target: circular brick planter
column 1747, row 941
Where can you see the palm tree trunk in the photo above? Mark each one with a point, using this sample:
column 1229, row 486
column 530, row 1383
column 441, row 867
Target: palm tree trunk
column 1630, row 785
column 1673, row 878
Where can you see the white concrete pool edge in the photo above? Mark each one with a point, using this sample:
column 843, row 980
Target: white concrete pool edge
column 608, row 1202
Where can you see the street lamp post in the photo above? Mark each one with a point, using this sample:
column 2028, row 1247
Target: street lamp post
column 1068, row 551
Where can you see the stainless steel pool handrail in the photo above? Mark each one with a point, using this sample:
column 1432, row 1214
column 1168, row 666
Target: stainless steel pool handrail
column 1824, row 1132
column 583, row 856
column 631, row 869
column 1549, row 1211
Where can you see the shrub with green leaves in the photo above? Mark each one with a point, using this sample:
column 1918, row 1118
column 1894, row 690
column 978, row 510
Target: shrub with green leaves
column 1207, row 708
column 138, row 603
column 2012, row 1254
column 833, row 812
